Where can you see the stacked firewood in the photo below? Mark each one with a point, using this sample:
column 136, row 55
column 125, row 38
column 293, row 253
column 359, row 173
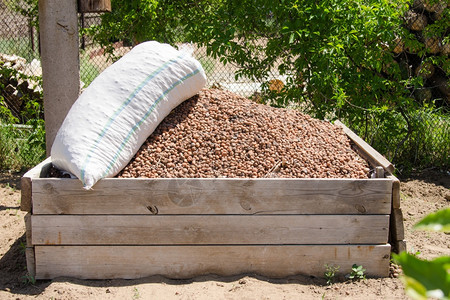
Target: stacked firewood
column 18, row 86
column 420, row 60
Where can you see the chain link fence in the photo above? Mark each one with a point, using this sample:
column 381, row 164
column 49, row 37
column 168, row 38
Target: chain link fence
column 426, row 142
column 93, row 60
column 19, row 41
column 20, row 71
column 422, row 142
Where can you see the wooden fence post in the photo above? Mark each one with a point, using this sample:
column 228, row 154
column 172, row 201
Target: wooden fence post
column 58, row 24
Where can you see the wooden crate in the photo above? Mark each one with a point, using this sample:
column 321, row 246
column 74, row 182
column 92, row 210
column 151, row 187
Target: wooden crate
column 180, row 228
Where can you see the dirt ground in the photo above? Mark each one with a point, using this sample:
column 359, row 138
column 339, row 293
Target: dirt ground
column 421, row 194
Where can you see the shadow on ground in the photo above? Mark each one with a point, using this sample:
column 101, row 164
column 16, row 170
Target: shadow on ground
column 433, row 176
column 11, row 179
column 13, row 270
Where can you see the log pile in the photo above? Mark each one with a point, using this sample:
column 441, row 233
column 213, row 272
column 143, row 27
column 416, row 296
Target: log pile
column 419, row 21
column 19, row 86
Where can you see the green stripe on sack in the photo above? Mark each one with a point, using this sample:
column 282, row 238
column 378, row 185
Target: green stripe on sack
column 136, row 126
column 121, row 108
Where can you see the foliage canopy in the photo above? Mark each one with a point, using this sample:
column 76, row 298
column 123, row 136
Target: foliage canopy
column 338, row 48
column 337, row 56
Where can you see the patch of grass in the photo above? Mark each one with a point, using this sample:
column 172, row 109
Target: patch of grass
column 423, row 143
column 8, row 186
column 21, row 148
column 88, row 71
column 20, row 46
column 431, row 143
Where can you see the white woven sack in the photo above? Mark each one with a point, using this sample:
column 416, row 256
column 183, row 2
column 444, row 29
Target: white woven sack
column 114, row 116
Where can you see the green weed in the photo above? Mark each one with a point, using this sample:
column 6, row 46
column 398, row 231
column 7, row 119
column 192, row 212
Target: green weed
column 28, row 279
column 22, row 247
column 136, row 294
column 357, row 273
column 8, row 186
column 330, row 273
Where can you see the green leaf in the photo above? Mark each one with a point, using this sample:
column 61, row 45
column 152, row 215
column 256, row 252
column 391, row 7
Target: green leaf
column 425, row 278
column 438, row 221
column 414, row 289
column 291, row 38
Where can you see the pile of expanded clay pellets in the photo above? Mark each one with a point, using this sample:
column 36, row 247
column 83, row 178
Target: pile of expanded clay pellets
column 218, row 134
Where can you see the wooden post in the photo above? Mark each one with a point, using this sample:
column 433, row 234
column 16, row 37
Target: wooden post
column 379, row 172
column 87, row 6
column 58, row 24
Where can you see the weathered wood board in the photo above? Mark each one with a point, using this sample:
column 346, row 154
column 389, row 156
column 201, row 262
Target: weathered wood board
column 31, row 261
column 366, row 151
column 213, row 196
column 99, row 262
column 26, row 183
column 210, row 229
column 395, row 191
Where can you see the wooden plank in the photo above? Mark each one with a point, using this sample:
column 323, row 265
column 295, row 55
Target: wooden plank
column 28, row 231
column 400, row 246
column 31, row 262
column 371, row 153
column 185, row 230
column 26, row 184
column 397, row 231
column 397, row 228
column 25, row 194
column 398, row 220
column 395, row 191
column 213, row 196
column 109, row 262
